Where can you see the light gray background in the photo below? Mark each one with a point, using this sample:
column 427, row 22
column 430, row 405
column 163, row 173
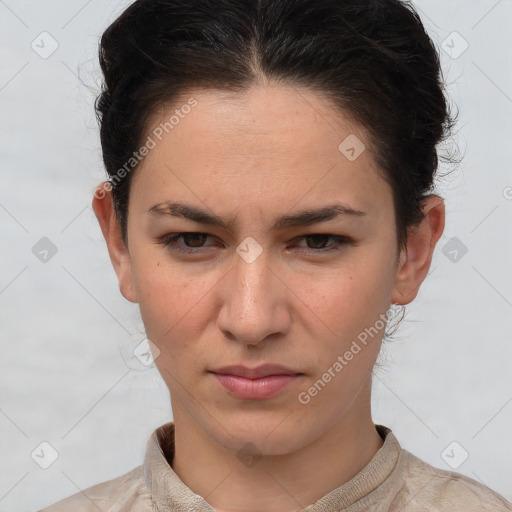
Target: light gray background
column 68, row 376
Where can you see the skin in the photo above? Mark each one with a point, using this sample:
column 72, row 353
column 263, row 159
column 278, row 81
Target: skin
column 254, row 156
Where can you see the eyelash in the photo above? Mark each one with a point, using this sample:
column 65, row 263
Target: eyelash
column 172, row 242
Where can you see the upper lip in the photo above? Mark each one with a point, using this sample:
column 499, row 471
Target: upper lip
column 254, row 373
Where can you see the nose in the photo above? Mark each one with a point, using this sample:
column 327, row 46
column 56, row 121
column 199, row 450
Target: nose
column 254, row 302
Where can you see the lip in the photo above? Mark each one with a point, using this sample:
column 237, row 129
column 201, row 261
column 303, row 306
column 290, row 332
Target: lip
column 258, row 383
column 257, row 372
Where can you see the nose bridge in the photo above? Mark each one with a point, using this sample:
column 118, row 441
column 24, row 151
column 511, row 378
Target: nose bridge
column 253, row 289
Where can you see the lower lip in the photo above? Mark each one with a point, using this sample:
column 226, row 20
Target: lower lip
column 255, row 389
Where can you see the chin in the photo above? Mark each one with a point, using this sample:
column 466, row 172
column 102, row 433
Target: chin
column 271, row 432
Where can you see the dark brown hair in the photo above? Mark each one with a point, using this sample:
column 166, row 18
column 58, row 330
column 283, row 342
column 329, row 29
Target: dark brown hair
column 372, row 58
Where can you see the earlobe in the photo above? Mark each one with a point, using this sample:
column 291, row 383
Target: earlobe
column 416, row 258
column 103, row 207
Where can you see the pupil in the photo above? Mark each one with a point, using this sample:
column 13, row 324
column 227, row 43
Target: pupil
column 322, row 238
column 196, row 236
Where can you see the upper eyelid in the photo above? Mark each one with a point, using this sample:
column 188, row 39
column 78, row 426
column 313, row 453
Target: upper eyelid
column 171, row 236
column 215, row 236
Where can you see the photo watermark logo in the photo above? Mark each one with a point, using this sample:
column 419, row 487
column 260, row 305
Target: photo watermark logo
column 158, row 133
column 304, row 397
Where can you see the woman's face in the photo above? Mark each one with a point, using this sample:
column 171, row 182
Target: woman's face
column 265, row 287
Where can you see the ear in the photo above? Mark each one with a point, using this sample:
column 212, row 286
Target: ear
column 103, row 207
column 416, row 257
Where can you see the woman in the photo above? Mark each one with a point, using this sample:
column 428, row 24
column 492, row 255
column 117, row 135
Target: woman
column 270, row 200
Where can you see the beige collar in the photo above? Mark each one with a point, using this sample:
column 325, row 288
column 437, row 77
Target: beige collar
column 170, row 493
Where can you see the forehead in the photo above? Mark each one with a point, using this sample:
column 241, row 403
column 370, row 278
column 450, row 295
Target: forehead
column 271, row 142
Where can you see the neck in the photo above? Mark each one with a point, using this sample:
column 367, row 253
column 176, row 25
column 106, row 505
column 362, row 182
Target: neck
column 284, row 483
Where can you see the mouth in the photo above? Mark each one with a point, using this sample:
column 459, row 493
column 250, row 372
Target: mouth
column 258, row 383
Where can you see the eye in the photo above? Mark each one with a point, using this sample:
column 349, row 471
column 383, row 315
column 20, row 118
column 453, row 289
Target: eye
column 319, row 242
column 193, row 243
column 196, row 240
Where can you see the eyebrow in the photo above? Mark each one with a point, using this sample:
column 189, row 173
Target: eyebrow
column 303, row 218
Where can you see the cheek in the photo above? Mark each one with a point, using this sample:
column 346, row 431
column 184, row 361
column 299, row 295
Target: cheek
column 347, row 314
column 172, row 314
column 348, row 344
column 350, row 300
column 170, row 302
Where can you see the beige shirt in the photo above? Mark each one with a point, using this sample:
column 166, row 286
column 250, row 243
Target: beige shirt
column 394, row 480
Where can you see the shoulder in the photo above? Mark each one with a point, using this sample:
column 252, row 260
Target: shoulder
column 425, row 487
column 124, row 493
